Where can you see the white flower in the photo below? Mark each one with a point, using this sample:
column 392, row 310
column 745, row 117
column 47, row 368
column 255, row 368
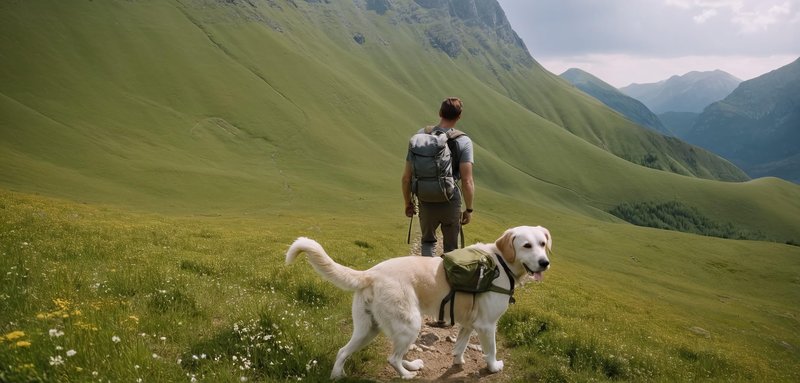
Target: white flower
column 94, row 373
column 243, row 379
column 155, row 356
column 163, row 338
column 55, row 333
column 56, row 360
column 71, row 352
column 115, row 339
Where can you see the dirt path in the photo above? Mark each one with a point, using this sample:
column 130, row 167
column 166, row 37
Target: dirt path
column 435, row 346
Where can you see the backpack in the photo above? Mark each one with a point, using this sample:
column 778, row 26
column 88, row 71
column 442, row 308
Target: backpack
column 470, row 270
column 434, row 164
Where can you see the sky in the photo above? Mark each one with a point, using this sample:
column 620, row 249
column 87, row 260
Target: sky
column 644, row 41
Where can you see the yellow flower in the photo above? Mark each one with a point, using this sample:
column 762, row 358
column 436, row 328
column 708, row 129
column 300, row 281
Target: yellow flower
column 23, row 343
column 14, row 335
column 61, row 303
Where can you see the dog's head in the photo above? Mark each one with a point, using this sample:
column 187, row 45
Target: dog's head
column 526, row 246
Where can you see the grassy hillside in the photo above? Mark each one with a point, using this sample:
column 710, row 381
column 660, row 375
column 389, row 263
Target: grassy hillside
column 133, row 295
column 228, row 106
column 189, row 142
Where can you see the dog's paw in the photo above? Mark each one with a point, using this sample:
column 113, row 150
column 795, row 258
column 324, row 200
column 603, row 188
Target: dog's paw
column 497, row 366
column 414, row 365
column 458, row 360
column 409, row 375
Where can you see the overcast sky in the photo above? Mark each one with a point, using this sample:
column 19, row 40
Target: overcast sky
column 641, row 41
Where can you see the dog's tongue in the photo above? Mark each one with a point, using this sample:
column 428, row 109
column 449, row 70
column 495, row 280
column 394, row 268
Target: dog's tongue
column 538, row 276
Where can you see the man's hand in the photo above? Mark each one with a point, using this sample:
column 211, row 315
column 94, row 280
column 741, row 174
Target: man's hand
column 410, row 209
column 465, row 217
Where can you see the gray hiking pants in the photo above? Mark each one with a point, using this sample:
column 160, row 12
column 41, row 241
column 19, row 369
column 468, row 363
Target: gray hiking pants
column 444, row 214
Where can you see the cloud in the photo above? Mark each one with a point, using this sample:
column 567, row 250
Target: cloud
column 749, row 16
column 705, row 15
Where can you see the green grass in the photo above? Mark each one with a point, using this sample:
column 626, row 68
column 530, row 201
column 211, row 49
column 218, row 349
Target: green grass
column 210, row 297
column 190, row 143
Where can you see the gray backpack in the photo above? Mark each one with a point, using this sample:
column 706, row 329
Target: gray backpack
column 434, row 164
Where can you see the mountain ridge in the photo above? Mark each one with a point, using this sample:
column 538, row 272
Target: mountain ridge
column 760, row 123
column 628, row 106
column 690, row 92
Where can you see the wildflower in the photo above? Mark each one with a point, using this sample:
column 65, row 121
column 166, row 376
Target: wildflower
column 71, row 352
column 14, row 335
column 55, row 333
column 56, row 360
column 94, row 373
column 155, row 356
column 115, row 339
column 23, row 343
column 243, row 379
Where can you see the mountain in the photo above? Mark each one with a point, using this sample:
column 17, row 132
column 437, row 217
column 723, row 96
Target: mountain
column 296, row 107
column 629, row 107
column 679, row 123
column 758, row 125
column 691, row 92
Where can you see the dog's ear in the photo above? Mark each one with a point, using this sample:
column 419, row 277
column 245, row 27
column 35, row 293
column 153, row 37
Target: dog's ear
column 548, row 237
column 506, row 246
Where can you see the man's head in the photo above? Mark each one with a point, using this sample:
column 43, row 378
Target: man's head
column 451, row 109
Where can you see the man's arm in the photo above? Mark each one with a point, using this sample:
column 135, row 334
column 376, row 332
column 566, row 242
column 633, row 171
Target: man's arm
column 468, row 189
column 406, row 187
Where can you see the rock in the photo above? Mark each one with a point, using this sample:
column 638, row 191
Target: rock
column 700, row 331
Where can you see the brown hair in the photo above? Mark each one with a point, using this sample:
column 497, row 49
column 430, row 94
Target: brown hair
column 451, row 108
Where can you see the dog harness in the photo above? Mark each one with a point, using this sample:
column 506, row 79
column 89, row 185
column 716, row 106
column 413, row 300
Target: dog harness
column 451, row 297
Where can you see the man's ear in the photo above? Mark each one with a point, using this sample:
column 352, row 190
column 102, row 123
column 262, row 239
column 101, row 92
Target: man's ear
column 506, row 246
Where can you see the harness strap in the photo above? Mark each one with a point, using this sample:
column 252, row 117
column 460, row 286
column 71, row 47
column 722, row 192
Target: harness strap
column 451, row 297
column 511, row 280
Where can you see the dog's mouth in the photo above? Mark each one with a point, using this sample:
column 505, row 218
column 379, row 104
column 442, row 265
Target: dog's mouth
column 536, row 275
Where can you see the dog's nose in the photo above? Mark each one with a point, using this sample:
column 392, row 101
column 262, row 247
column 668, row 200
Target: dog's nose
column 544, row 263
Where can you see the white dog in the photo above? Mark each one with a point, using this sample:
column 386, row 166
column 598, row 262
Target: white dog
column 394, row 295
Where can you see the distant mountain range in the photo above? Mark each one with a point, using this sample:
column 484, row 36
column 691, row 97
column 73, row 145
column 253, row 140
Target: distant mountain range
column 757, row 127
column 691, row 92
column 628, row 106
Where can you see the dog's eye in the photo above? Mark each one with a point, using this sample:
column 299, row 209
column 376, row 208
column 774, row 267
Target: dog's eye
column 527, row 245
column 541, row 244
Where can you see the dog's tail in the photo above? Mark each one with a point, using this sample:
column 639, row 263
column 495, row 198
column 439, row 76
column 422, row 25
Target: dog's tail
column 342, row 276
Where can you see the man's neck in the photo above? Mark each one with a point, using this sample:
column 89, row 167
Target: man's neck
column 447, row 124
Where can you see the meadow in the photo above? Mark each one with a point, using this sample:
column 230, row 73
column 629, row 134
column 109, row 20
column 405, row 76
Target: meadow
column 100, row 293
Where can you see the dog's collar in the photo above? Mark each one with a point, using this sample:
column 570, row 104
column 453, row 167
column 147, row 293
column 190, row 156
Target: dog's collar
column 498, row 289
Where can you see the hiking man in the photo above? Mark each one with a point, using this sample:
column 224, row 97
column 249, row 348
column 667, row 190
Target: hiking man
column 444, row 212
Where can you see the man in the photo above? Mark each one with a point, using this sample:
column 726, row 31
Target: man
column 448, row 214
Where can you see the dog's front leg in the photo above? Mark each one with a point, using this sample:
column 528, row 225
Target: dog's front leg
column 487, row 337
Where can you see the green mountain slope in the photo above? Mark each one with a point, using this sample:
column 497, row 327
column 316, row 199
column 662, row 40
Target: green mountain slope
column 628, row 106
column 758, row 125
column 280, row 106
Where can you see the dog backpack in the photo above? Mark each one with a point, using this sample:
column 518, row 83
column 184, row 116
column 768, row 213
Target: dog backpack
column 434, row 164
column 470, row 270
